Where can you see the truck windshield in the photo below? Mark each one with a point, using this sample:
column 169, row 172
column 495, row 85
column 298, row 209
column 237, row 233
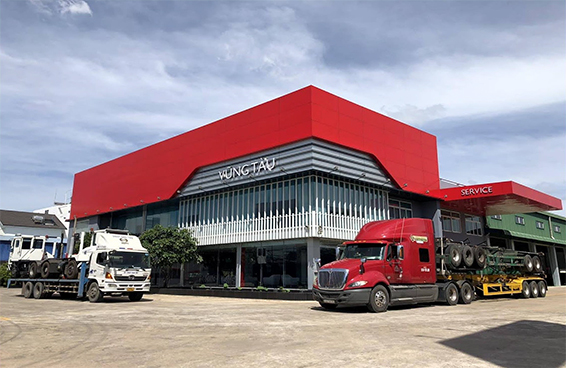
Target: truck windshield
column 129, row 260
column 365, row 250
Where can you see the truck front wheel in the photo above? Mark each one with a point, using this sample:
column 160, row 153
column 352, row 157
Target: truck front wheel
column 94, row 294
column 15, row 270
column 379, row 299
column 135, row 297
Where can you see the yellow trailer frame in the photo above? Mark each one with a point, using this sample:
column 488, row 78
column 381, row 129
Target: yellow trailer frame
column 491, row 285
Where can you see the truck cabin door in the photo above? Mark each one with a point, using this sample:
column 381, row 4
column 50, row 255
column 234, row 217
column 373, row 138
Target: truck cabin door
column 394, row 263
column 37, row 249
column 16, row 251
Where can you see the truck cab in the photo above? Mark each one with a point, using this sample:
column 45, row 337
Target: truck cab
column 390, row 262
column 25, row 251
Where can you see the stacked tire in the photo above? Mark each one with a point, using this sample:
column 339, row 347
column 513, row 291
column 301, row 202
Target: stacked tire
column 465, row 256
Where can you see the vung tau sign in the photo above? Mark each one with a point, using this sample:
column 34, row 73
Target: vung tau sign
column 249, row 169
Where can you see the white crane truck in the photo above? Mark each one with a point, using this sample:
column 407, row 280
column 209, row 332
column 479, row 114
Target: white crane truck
column 114, row 263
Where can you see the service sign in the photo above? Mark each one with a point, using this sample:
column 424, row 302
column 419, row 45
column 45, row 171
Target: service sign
column 476, row 191
column 249, row 169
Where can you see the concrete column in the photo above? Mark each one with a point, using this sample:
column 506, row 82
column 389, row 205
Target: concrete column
column 313, row 254
column 553, row 263
column 239, row 265
column 182, row 275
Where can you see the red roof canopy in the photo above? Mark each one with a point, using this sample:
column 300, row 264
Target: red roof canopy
column 155, row 173
column 496, row 199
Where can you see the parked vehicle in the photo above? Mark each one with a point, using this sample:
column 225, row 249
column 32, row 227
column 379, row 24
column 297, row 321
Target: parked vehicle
column 114, row 263
column 396, row 262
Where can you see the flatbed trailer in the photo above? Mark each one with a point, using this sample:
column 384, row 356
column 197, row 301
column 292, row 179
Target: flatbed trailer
column 44, row 288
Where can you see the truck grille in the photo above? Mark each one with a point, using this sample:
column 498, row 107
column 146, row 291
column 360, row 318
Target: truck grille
column 129, row 278
column 334, row 278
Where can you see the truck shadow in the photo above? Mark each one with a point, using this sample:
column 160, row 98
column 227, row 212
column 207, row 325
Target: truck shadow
column 365, row 309
column 518, row 344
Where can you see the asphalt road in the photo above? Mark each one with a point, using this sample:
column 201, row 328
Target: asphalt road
column 189, row 331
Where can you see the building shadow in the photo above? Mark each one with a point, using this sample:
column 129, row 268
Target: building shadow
column 518, row 344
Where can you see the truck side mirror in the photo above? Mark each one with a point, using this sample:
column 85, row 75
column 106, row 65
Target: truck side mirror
column 400, row 252
column 362, row 268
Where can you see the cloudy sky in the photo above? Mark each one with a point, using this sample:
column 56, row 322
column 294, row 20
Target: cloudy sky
column 83, row 82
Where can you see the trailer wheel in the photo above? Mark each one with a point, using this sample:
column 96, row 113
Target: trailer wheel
column 466, row 293
column 27, row 290
column 44, row 268
column 71, row 270
column 38, row 289
column 94, row 294
column 542, row 289
column 379, row 299
column 454, row 255
column 537, row 264
column 534, row 289
column 33, row 270
column 451, row 293
column 468, row 256
column 135, row 297
column 480, row 257
column 528, row 263
column 526, row 292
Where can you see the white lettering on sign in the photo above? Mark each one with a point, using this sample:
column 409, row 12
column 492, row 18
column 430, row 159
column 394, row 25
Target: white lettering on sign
column 476, row 191
column 425, row 269
column 252, row 168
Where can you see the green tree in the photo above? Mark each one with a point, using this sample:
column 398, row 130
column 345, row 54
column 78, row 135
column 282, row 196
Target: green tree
column 168, row 246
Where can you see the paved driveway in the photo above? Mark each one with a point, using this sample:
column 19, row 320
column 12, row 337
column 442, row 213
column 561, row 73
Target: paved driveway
column 189, row 331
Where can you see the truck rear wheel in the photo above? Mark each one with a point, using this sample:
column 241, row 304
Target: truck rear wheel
column 33, row 270
column 534, row 289
column 27, row 290
column 15, row 271
column 537, row 264
column 468, row 256
column 454, row 255
column 38, row 289
column 71, row 270
column 526, row 292
column 466, row 293
column 379, row 299
column 451, row 293
column 135, row 297
column 542, row 289
column 44, row 270
column 94, row 294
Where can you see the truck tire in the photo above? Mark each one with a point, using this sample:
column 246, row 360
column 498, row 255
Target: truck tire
column 33, row 270
column 379, row 299
column 15, row 271
column 135, row 297
column 537, row 264
column 542, row 289
column 38, row 289
column 94, row 294
column 71, row 269
column 466, row 293
column 44, row 269
column 528, row 263
column 328, row 306
column 534, row 289
column 27, row 290
column 526, row 292
column 451, row 293
column 467, row 256
column 480, row 257
column 454, row 255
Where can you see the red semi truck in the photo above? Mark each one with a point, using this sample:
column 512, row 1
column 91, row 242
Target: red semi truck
column 397, row 262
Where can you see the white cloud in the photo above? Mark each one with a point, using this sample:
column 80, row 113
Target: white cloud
column 74, row 7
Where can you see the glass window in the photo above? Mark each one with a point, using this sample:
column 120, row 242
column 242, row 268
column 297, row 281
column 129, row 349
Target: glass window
column 400, row 209
column 540, row 225
column 519, row 220
column 424, row 255
column 450, row 221
column 496, row 217
column 37, row 244
column 557, row 229
column 473, row 225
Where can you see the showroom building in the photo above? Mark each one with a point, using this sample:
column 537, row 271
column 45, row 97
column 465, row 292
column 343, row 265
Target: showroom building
column 270, row 189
